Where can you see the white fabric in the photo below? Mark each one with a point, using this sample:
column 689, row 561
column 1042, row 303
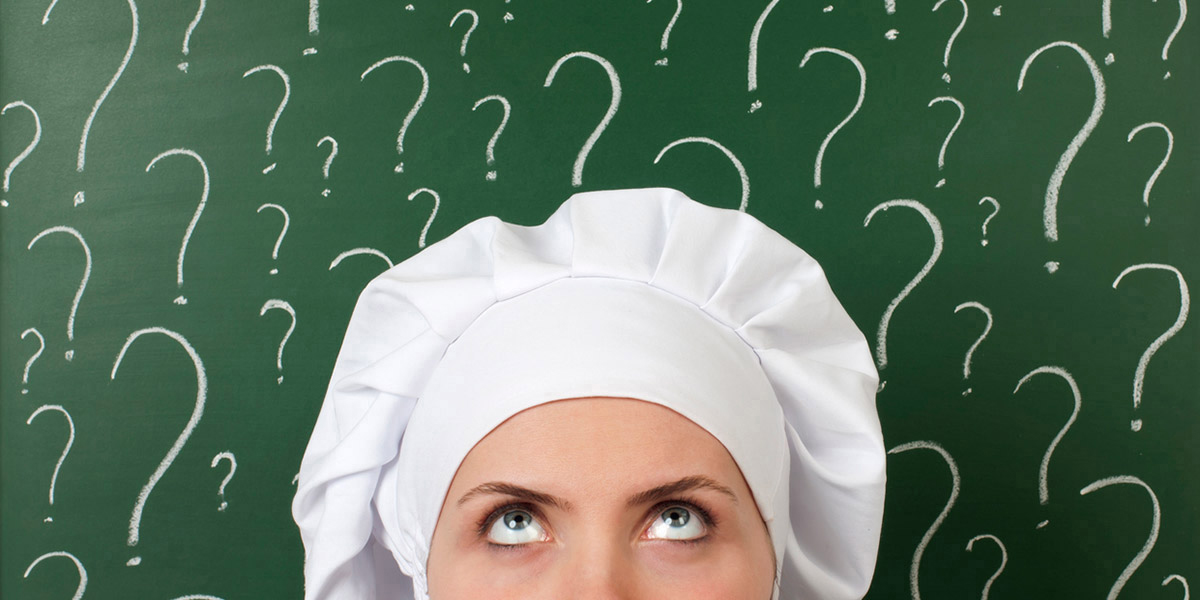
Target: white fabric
column 629, row 293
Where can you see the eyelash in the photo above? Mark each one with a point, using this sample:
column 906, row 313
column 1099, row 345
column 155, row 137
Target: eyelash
column 485, row 524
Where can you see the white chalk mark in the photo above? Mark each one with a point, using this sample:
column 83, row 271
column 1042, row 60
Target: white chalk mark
column 462, row 51
column 1150, row 541
column 1139, row 376
column 741, row 169
column 37, row 137
column 287, row 93
column 827, row 9
column 862, row 92
column 66, row 449
column 135, row 519
column 752, row 66
column 359, row 251
column 78, row 198
column 1050, row 216
column 953, row 36
column 226, row 455
column 1051, row 266
column 87, row 271
column 1162, row 165
column 314, row 17
column 889, row 6
column 197, row 597
column 1182, row 581
column 329, row 159
column 284, row 306
column 437, row 202
column 1174, row 32
column 670, row 25
column 956, row 482
column 187, row 235
column 996, row 11
column 615, row 84
column 286, row 221
column 32, row 359
column 984, row 242
column 491, row 145
column 416, row 107
column 78, row 565
column 936, row 228
column 1106, row 17
column 187, row 37
column 1109, row 59
column 962, row 111
column 891, row 34
column 1003, row 560
column 308, row 51
column 987, row 329
column 1044, row 469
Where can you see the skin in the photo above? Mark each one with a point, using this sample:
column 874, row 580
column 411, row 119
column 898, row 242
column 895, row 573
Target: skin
column 586, row 459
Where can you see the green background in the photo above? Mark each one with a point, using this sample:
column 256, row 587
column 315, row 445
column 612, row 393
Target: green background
column 1006, row 148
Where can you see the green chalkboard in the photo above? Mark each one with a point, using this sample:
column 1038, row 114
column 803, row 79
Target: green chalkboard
column 891, row 139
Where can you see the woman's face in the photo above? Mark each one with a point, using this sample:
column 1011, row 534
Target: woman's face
column 599, row 498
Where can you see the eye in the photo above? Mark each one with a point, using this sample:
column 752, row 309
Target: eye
column 677, row 523
column 515, row 527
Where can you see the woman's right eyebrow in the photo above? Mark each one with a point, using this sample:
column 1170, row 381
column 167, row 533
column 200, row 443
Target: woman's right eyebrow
column 515, row 491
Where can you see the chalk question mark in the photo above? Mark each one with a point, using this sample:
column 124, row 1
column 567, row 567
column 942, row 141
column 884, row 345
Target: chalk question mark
column 614, row 84
column 283, row 305
column 752, row 66
column 135, row 519
column 226, row 455
column 1139, row 376
column 1162, row 165
column 862, row 92
column 462, row 51
column 328, row 160
column 987, row 329
column 956, row 483
column 187, row 37
column 737, row 164
column 1106, row 26
column 1137, row 561
column 66, row 449
column 32, row 359
column 1182, row 581
column 279, row 240
column 416, row 107
column 437, row 202
column 187, row 235
column 953, row 36
column 662, row 62
column 287, row 93
column 360, row 251
column 961, row 112
column 995, row 211
column 87, row 273
column 78, row 568
column 987, row 587
column 1044, row 469
column 37, row 137
column 491, row 145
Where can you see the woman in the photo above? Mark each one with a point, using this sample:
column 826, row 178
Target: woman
column 643, row 397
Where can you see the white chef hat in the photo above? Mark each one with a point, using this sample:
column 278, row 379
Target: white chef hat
column 641, row 294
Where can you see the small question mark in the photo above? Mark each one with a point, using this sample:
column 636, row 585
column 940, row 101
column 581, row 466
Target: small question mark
column 862, row 92
column 359, row 251
column 135, row 519
column 78, row 567
column 1133, row 565
column 491, row 146
column 66, row 449
column 32, row 359
column 614, row 83
column 416, row 107
column 187, row 235
column 284, row 306
column 995, row 211
column 287, row 93
column 1106, row 26
column 752, row 66
column 286, row 221
column 1044, row 469
column 956, row 482
column 226, row 455
column 987, row 587
column 987, row 329
column 1184, row 303
column 187, row 37
column 662, row 62
column 87, row 273
column 961, row 112
column 437, row 202
column 328, row 160
column 953, row 36
column 462, row 51
column 741, row 169
column 1182, row 581
column 1162, row 165
column 37, row 137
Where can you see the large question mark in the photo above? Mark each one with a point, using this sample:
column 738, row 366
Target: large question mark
column 987, row 587
column 437, row 202
column 286, row 221
column 1162, row 165
column 66, row 449
column 32, row 359
column 328, row 160
column 462, row 51
column 956, row 482
column 987, row 329
column 87, row 273
column 1050, row 213
column 360, row 251
column 78, row 568
column 935, row 227
column 1044, row 469
column 737, row 164
column 862, row 93
column 752, row 66
column 287, row 93
column 1139, row 376
column 226, row 455
column 491, row 145
column 416, row 106
column 187, row 235
column 953, row 36
column 187, row 37
column 284, row 306
column 615, row 85
column 135, row 519
column 1133, row 565
column 962, row 111
column 662, row 62
column 996, row 209
column 37, row 137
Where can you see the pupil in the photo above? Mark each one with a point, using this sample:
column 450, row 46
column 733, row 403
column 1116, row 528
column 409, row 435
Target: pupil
column 517, row 521
column 677, row 517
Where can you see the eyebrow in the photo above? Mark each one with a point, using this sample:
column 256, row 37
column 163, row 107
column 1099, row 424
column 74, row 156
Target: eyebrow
column 689, row 483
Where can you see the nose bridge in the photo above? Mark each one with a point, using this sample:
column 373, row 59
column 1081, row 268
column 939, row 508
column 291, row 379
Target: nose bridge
column 601, row 567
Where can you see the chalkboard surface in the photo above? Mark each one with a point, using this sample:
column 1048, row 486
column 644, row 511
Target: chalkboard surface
column 1003, row 194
